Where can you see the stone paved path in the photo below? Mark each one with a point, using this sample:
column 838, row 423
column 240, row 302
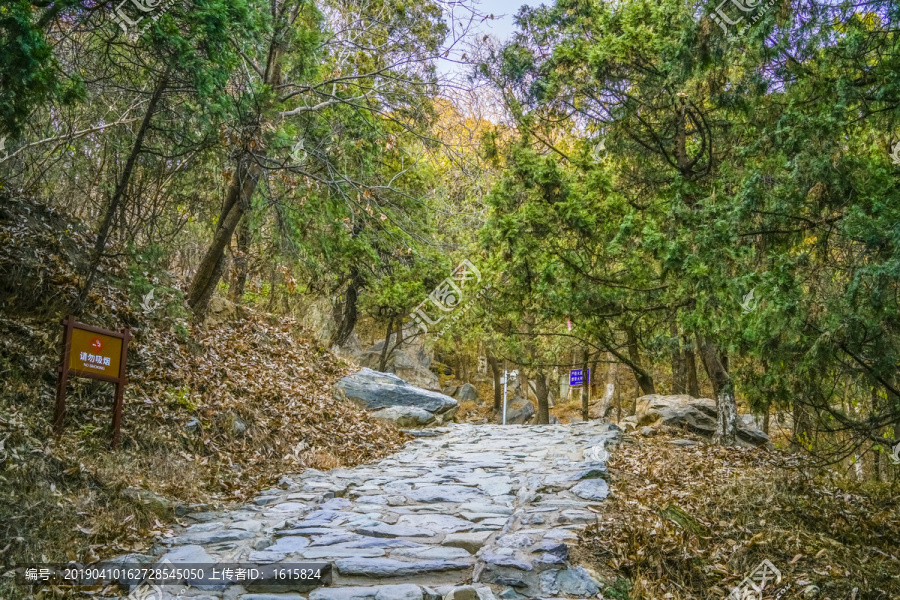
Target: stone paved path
column 475, row 512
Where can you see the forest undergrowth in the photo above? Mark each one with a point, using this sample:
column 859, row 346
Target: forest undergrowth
column 213, row 412
column 691, row 522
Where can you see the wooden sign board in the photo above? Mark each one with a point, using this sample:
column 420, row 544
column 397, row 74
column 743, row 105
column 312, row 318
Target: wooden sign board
column 93, row 353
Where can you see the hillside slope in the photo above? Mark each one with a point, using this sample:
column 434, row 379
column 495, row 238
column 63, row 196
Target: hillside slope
column 212, row 412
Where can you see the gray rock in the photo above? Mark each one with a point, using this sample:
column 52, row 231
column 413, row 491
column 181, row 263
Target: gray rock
column 471, row 542
column 437, row 523
column 697, row 415
column 463, row 593
column 576, row 582
column 381, row 592
column 591, row 489
column 385, row 567
column 288, row 544
column 519, row 411
column 466, row 393
column 506, row 560
column 647, row 431
column 432, row 553
column 383, row 530
column 375, row 390
column 212, row 537
column 406, row 416
column 445, row 493
column 270, row 597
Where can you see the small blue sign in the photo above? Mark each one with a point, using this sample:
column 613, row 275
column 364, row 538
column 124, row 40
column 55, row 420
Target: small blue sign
column 576, row 376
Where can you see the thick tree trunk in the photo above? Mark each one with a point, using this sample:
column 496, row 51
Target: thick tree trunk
column 498, row 387
column 116, row 202
column 586, row 387
column 542, row 392
column 382, row 362
column 211, row 267
column 611, row 374
column 240, row 264
column 644, row 379
column 679, row 365
column 237, row 199
column 693, row 385
column 802, row 429
column 723, row 385
column 345, row 311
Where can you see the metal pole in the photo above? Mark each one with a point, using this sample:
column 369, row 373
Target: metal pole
column 505, row 379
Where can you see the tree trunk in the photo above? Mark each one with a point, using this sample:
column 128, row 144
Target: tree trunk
column 237, row 199
column 241, row 263
column 498, row 387
column 611, row 373
column 542, row 392
column 644, row 379
column 766, row 419
column 118, row 195
column 585, row 387
column 382, row 362
column 802, row 429
column 693, row 385
column 345, row 313
column 723, row 386
column 679, row 364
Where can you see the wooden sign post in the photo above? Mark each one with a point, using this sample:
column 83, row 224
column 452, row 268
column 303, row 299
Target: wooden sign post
column 93, row 353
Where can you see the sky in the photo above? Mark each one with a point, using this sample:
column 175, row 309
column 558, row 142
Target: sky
column 502, row 26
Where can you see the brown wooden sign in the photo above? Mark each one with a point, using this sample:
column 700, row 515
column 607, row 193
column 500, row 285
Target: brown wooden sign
column 93, row 353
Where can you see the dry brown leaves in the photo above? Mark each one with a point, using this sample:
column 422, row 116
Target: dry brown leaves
column 692, row 522
column 212, row 414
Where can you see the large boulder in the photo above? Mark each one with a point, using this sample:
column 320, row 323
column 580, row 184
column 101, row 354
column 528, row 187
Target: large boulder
column 395, row 399
column 466, row 393
column 519, row 411
column 697, row 415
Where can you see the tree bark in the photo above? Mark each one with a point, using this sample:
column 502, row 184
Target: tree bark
column 542, row 392
column 118, row 195
column 693, row 385
column 237, row 200
column 240, row 263
column 585, row 387
column 611, row 373
column 644, row 379
column 498, row 387
column 723, row 386
column 382, row 362
column 345, row 311
column 679, row 364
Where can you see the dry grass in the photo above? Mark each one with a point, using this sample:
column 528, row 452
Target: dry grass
column 691, row 523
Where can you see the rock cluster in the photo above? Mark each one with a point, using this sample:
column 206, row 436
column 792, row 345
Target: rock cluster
column 392, row 398
column 697, row 415
column 475, row 513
